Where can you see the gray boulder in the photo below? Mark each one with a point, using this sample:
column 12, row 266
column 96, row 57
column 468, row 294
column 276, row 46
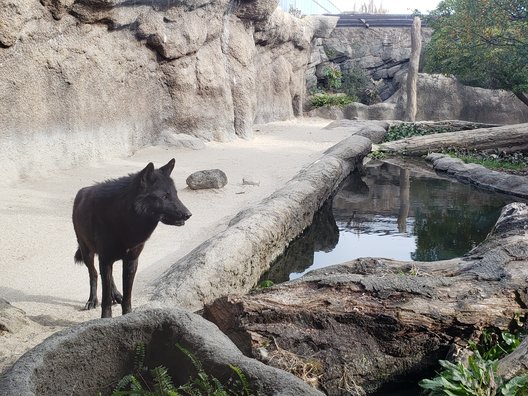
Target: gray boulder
column 480, row 176
column 445, row 98
column 93, row 356
column 12, row 319
column 204, row 179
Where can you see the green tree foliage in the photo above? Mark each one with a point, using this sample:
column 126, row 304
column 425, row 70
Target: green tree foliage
column 484, row 43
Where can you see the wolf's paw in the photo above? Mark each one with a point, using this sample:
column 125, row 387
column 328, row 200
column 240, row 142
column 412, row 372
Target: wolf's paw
column 91, row 304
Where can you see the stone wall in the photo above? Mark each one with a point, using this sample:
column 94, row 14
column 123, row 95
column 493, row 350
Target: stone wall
column 440, row 98
column 382, row 52
column 84, row 80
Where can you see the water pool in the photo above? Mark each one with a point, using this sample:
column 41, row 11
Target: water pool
column 401, row 210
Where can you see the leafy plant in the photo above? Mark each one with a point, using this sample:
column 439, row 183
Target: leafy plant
column 377, row 155
column 402, row 131
column 478, row 378
column 510, row 162
column 357, row 83
column 324, row 99
column 317, row 90
column 333, row 76
column 410, row 129
column 157, row 381
column 330, row 52
column 494, row 344
column 265, row 284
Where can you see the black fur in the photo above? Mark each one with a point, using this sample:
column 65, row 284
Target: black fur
column 114, row 219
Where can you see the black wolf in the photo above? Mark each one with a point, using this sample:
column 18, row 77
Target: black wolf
column 114, row 219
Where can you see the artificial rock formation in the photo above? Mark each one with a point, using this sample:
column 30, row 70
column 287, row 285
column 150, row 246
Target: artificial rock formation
column 382, row 52
column 357, row 327
column 438, row 98
column 92, row 357
column 83, row 80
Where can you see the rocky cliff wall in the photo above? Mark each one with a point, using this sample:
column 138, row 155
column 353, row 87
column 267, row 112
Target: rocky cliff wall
column 380, row 51
column 89, row 79
column 383, row 52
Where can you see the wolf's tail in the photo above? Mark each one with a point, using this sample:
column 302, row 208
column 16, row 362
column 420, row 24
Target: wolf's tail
column 78, row 256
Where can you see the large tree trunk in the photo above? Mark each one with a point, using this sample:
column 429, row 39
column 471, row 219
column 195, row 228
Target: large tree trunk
column 412, row 74
column 522, row 97
column 362, row 325
column 508, row 138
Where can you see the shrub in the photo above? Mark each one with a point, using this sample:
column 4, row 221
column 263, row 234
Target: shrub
column 325, row 99
column 478, row 378
column 402, row 131
column 508, row 162
column 357, row 83
column 265, row 284
column 333, row 76
column 409, row 129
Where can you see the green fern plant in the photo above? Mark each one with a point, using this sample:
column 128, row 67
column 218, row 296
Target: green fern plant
column 157, row 381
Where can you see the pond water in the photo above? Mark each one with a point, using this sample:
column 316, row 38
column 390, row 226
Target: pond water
column 398, row 210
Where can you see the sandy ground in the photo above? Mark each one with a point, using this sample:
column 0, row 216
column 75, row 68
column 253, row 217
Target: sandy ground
column 37, row 272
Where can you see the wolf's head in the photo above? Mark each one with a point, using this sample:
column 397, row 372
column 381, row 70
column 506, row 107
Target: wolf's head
column 157, row 197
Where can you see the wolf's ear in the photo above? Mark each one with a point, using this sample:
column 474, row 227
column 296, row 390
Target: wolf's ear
column 146, row 174
column 167, row 169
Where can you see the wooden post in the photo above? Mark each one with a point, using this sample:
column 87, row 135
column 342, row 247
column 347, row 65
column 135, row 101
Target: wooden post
column 412, row 75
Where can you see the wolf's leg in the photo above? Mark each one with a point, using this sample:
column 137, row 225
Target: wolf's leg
column 105, row 268
column 129, row 272
column 130, row 264
column 88, row 258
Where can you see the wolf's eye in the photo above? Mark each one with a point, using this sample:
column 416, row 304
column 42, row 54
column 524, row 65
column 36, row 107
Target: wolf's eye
column 166, row 196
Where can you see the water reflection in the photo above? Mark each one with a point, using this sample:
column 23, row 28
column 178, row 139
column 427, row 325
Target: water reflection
column 402, row 211
column 322, row 235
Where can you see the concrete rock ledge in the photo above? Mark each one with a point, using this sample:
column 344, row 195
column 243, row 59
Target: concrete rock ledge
column 233, row 261
column 93, row 356
column 480, row 176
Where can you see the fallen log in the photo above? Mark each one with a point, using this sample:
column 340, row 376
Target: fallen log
column 508, row 139
column 516, row 363
column 358, row 327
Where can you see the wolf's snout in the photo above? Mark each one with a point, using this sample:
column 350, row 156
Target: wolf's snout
column 186, row 215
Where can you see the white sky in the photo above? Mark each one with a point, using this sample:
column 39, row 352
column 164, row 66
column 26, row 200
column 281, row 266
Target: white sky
column 393, row 6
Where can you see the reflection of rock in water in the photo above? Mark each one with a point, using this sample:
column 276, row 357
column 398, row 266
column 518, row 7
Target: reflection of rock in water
column 321, row 235
column 353, row 186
